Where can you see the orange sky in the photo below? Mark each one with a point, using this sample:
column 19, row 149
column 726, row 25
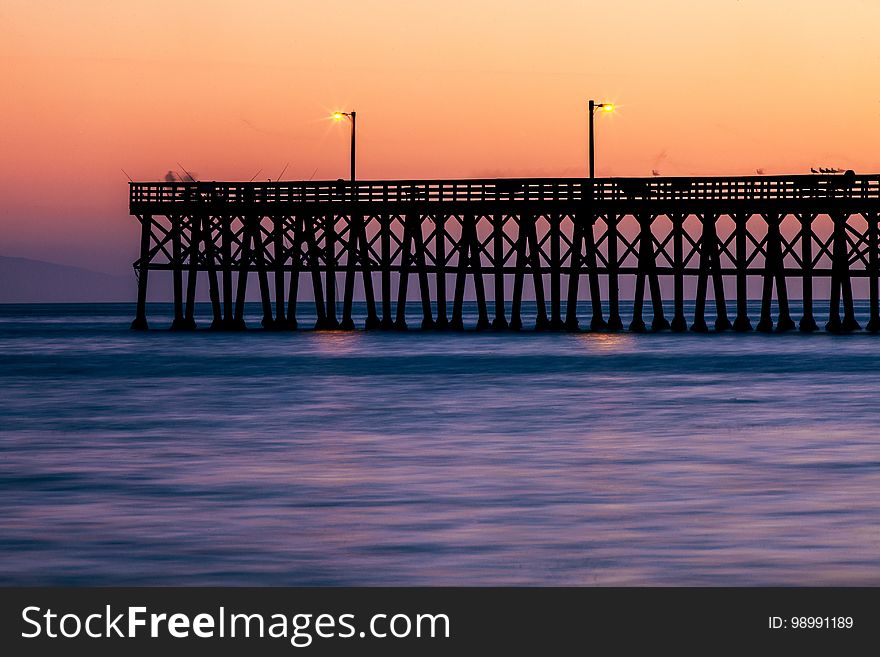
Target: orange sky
column 442, row 89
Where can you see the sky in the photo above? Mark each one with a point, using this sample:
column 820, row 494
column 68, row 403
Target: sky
column 448, row 89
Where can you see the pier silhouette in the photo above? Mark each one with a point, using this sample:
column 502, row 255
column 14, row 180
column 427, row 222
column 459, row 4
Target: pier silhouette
column 455, row 231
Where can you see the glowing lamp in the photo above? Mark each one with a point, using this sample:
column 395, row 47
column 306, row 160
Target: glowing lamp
column 593, row 106
column 338, row 116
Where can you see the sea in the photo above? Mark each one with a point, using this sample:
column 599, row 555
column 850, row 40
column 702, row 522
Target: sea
column 432, row 458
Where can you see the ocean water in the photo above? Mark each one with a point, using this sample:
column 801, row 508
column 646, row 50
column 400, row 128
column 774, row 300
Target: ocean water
column 316, row 458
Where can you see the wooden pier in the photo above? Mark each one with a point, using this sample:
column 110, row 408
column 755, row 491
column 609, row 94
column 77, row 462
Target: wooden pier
column 580, row 235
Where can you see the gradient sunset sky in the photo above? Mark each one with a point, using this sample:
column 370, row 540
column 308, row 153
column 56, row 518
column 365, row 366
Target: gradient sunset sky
column 442, row 89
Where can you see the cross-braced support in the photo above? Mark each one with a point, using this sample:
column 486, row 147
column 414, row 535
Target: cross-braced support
column 142, row 269
column 710, row 265
column 774, row 270
column 583, row 255
column 873, row 219
column 742, row 322
column 679, row 323
column 841, row 282
column 808, row 322
column 647, row 268
column 615, row 323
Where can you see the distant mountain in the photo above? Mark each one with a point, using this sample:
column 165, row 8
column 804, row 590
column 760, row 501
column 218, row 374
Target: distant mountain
column 33, row 281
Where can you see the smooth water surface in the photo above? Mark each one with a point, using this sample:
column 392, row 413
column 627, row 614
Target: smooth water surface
column 432, row 458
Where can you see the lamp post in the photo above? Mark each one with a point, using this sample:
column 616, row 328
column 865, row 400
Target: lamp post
column 614, row 323
column 605, row 107
column 351, row 116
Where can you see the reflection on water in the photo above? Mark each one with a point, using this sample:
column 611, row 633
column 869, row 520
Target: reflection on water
column 366, row 458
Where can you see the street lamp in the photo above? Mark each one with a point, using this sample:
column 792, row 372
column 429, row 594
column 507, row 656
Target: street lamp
column 605, row 107
column 352, row 116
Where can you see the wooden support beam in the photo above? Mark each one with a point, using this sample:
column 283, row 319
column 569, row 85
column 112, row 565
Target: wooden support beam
column 260, row 259
column 211, row 258
column 873, row 219
column 834, row 325
column 519, row 274
column 542, row 323
column 741, row 322
column 722, row 322
column 315, row 264
column 808, row 322
column 226, row 244
column 356, row 226
column 385, row 267
column 785, row 323
column 500, row 321
column 555, row 220
column 296, row 240
column 849, row 313
column 774, row 270
column 597, row 323
column 461, row 265
column 699, row 324
column 647, row 268
column 679, row 323
column 177, row 270
column 574, row 274
column 278, row 270
column 765, row 324
column 476, row 265
column 330, row 321
column 612, row 237
column 637, row 325
column 841, row 285
column 710, row 265
column 195, row 240
column 440, row 238
column 238, row 322
column 403, row 282
column 659, row 321
column 143, row 268
column 372, row 321
column 418, row 242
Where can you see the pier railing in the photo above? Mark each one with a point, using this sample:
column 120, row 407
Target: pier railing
column 526, row 189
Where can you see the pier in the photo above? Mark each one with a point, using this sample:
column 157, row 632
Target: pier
column 574, row 239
